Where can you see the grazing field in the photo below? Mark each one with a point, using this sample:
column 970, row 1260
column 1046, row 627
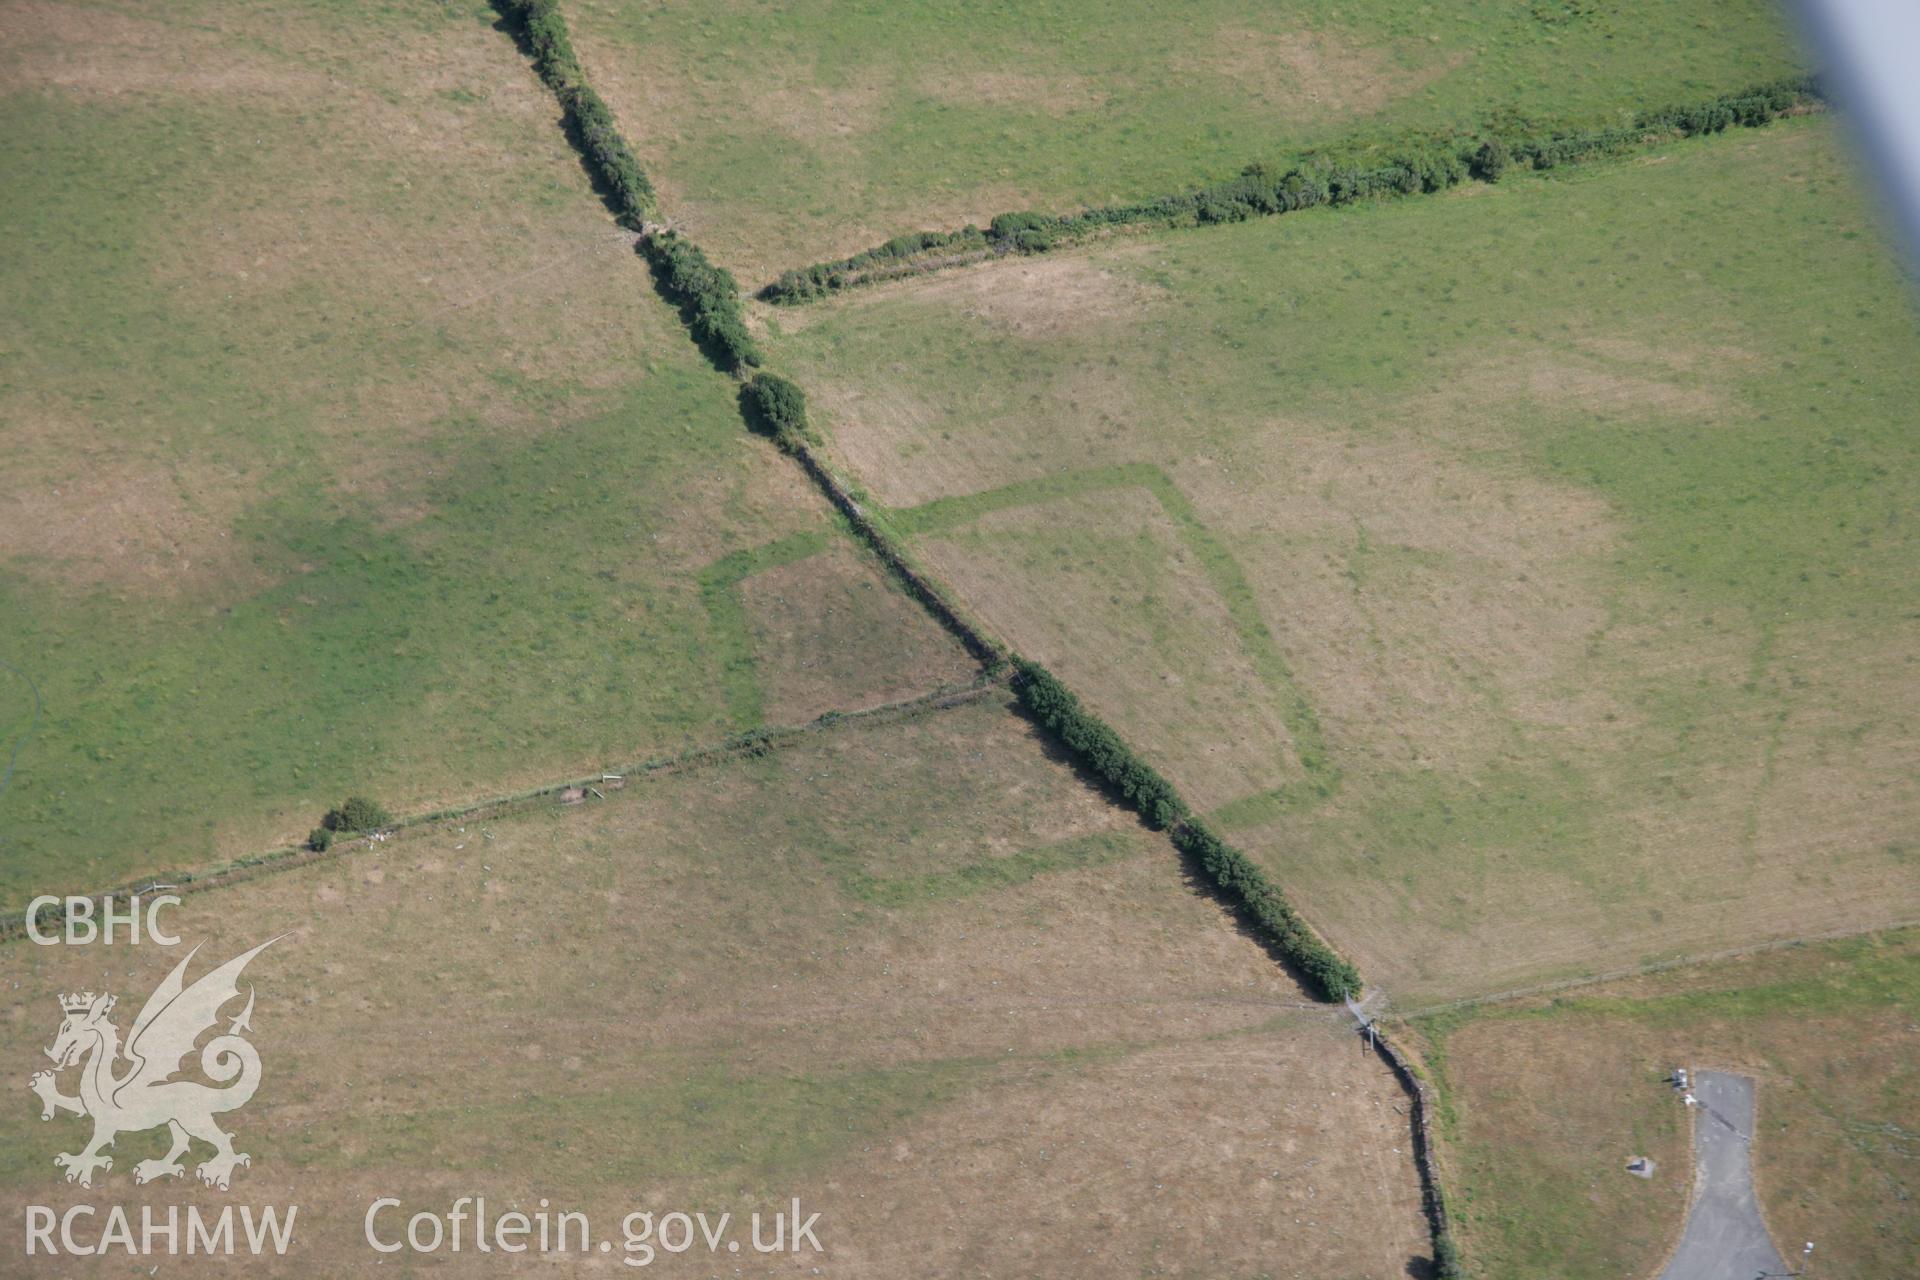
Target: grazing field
column 811, row 623
column 918, row 975
column 349, row 447
column 1114, row 562
column 1569, row 514
column 783, row 136
column 1545, row 1101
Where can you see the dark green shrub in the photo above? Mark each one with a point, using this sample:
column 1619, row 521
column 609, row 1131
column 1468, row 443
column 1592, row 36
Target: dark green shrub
column 753, row 742
column 547, row 39
column 1446, row 1259
column 320, row 839
column 897, row 256
column 607, row 152
column 1025, row 232
column 779, row 405
column 1491, row 159
column 1007, row 225
column 357, row 814
column 1107, row 757
column 707, row 296
column 1098, row 747
column 1236, row 876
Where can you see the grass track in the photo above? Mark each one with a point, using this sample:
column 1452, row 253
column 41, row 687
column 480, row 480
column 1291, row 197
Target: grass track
column 732, row 640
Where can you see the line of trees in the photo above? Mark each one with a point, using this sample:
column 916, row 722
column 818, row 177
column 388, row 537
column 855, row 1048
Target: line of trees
column 589, row 118
column 1237, row 876
column 708, row 297
column 1097, row 746
column 1399, row 164
column 710, row 300
column 897, row 256
column 1103, row 753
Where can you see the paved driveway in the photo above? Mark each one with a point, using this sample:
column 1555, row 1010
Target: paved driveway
column 1724, row 1239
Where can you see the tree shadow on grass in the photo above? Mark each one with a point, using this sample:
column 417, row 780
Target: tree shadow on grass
column 684, row 305
column 757, row 422
column 1191, row 873
column 509, row 24
column 1244, row 924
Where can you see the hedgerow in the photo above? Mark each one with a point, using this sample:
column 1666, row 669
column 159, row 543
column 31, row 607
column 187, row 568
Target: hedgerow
column 707, row 295
column 1104, row 754
column 779, row 405
column 1236, row 876
column 1098, row 747
column 1341, row 173
column 588, row 116
column 817, row 281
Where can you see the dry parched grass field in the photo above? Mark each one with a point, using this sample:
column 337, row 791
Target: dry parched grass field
column 918, row 975
column 1589, row 583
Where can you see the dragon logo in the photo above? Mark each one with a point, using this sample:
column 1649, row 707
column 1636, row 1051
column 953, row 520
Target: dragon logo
column 145, row 1095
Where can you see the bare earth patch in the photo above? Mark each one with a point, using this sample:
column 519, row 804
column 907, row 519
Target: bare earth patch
column 96, row 53
column 1314, row 67
column 882, row 423
column 811, row 112
column 1034, row 297
column 101, row 517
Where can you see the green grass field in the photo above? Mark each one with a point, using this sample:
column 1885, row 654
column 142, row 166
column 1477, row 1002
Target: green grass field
column 781, row 137
column 1545, row 1101
column 1571, row 510
column 1523, row 575
column 350, row 449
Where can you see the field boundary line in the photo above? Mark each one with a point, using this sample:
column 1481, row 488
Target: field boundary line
column 932, row 597
column 1351, row 170
column 757, row 742
column 1652, row 967
column 1422, row 1104
column 709, row 306
column 1217, row 563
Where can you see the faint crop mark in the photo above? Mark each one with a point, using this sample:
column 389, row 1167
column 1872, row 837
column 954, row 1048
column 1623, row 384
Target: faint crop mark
column 732, row 639
column 1223, row 573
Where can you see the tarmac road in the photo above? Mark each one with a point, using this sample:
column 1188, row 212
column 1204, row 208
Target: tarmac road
column 1724, row 1239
